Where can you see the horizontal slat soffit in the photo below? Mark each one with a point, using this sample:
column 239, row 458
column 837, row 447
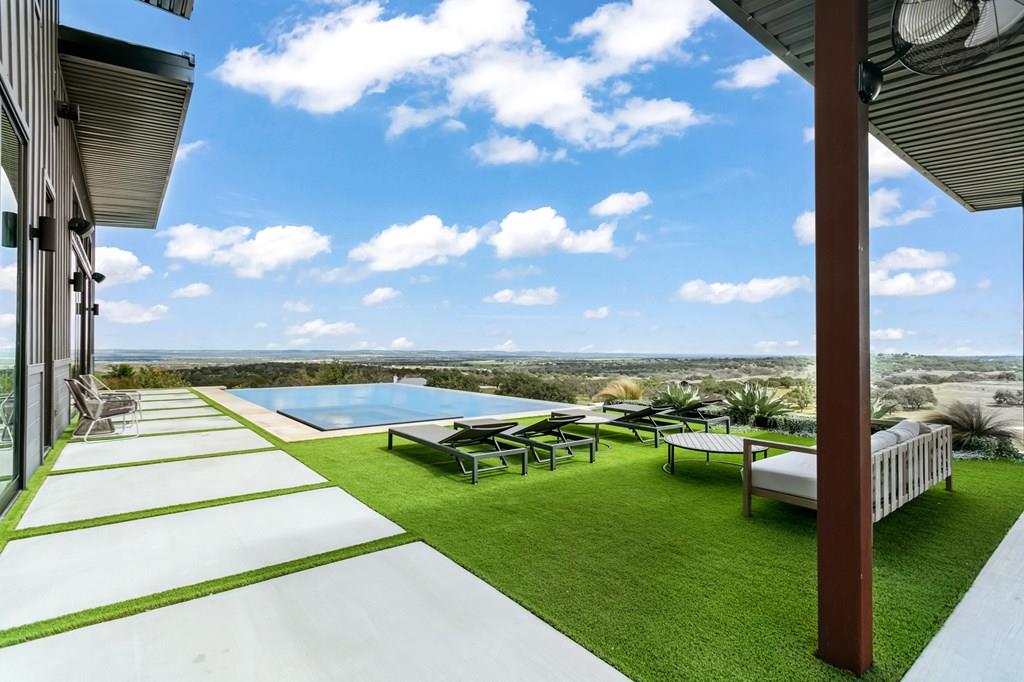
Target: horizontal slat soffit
column 960, row 131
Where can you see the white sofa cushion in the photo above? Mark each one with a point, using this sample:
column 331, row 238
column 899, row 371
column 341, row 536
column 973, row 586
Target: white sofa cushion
column 906, row 430
column 792, row 473
column 883, row 439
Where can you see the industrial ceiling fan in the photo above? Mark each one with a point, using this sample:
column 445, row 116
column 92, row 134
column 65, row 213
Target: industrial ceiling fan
column 940, row 37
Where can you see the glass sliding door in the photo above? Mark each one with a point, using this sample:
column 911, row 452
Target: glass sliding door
column 10, row 194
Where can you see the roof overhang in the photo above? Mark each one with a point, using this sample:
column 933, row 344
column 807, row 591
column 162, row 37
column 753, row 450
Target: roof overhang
column 183, row 8
column 133, row 102
column 963, row 132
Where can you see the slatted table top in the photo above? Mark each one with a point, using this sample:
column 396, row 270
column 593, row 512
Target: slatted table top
column 710, row 442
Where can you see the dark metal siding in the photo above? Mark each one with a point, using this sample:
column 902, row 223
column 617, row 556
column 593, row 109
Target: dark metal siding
column 183, row 8
column 964, row 132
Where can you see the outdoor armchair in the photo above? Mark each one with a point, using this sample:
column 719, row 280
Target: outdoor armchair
column 94, row 409
column 93, row 383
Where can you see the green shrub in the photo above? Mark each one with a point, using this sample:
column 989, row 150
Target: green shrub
column 454, row 379
column 125, row 376
column 973, row 429
column 681, row 399
column 524, row 385
column 618, row 390
column 752, row 401
column 1007, row 397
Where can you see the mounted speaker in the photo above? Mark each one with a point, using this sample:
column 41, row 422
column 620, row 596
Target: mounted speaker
column 45, row 233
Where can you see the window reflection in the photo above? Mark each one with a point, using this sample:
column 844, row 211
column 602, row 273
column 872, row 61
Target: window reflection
column 10, row 178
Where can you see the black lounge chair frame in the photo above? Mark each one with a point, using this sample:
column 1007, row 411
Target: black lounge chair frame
column 692, row 417
column 530, row 434
column 467, row 438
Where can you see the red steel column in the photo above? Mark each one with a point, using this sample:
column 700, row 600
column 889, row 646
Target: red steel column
column 841, row 205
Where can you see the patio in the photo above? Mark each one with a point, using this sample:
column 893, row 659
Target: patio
column 276, row 535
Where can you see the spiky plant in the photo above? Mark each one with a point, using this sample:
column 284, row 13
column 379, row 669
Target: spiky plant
column 618, row 390
column 681, row 399
column 755, row 401
column 973, row 429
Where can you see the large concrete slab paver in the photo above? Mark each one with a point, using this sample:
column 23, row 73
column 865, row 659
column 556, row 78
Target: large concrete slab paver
column 127, row 451
column 180, row 414
column 406, row 613
column 172, row 404
column 92, row 494
column 158, row 426
column 983, row 639
column 62, row 573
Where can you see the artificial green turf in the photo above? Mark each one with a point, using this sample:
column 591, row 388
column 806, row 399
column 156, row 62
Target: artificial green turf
column 661, row 576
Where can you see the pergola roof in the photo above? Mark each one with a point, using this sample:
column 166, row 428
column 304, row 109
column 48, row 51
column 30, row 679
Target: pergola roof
column 183, row 8
column 964, row 132
column 133, row 101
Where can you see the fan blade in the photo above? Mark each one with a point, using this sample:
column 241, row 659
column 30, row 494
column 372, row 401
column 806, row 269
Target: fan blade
column 926, row 21
column 998, row 17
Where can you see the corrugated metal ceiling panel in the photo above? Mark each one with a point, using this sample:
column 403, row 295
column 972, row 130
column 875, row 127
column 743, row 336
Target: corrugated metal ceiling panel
column 131, row 122
column 964, row 132
column 183, row 8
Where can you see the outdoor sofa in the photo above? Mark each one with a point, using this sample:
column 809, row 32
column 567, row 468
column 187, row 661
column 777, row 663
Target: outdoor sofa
column 471, row 445
column 531, row 436
column 906, row 460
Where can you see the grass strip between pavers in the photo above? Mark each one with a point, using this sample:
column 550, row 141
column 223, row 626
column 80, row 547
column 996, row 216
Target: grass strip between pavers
column 53, row 626
column 49, row 529
column 162, row 460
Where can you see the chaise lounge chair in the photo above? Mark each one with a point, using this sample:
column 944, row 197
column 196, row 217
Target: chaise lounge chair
column 94, row 409
column 647, row 419
column 690, row 417
column 530, row 435
column 461, row 444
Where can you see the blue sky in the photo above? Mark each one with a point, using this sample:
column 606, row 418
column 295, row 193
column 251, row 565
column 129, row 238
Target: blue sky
column 570, row 176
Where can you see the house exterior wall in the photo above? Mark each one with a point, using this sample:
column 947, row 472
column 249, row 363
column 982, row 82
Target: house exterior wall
column 30, row 77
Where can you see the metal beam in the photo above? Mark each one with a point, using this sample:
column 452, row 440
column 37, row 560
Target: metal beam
column 841, row 261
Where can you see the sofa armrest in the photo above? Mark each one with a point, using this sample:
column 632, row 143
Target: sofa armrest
column 748, row 459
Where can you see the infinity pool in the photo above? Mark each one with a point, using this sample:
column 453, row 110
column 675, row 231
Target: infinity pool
column 356, row 405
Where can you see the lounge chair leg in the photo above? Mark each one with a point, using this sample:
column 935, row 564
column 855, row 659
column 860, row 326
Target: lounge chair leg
column 526, row 461
column 949, row 483
column 476, row 466
column 554, row 460
column 593, row 452
column 391, row 440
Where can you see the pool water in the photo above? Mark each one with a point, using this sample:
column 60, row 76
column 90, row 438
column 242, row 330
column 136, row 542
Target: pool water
column 356, row 405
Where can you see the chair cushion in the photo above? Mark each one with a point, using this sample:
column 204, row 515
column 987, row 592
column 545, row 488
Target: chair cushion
column 906, row 430
column 883, row 439
column 792, row 473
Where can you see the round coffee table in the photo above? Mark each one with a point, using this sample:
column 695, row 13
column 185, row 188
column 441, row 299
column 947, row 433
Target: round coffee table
column 707, row 443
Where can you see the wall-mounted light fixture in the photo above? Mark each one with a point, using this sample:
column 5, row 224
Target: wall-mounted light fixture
column 98, row 277
column 95, row 309
column 69, row 111
column 77, row 281
column 45, row 233
column 80, row 226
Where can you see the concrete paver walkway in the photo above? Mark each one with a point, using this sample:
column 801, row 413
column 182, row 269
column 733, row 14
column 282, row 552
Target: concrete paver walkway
column 104, row 453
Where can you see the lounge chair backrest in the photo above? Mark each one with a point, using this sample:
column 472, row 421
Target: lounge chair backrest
column 644, row 413
column 476, row 434
column 550, row 425
column 86, row 404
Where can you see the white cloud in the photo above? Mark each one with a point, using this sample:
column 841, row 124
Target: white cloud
column 120, row 266
column 8, row 320
column 508, row 346
column 454, row 125
column 268, row 249
column 480, row 54
column 984, row 283
column 889, row 334
column 320, row 328
column 596, row 313
column 755, row 291
column 381, row 295
column 186, row 150
column 803, row 227
column 620, row 204
column 809, row 134
column 427, row 241
column 517, row 272
column 401, row 343
column 759, row 72
column 326, row 63
column 194, row 290
column 260, row 325
column 628, row 32
column 534, row 232
column 908, row 258
column 886, row 209
column 9, row 277
column 538, row 296
column 297, row 307
column 883, row 164
column 125, row 312
column 775, row 346
column 884, row 283
column 298, row 343
column 503, row 150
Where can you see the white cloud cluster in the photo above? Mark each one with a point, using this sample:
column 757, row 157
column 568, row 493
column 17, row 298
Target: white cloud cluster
column 381, row 295
column 252, row 256
column 803, row 227
column 754, row 291
column 538, row 296
column 889, row 334
column 883, row 163
column 319, row 327
column 401, row 343
column 775, row 346
column 482, row 55
column 911, row 272
column 428, row 241
column 752, row 74
column 596, row 313
column 297, row 307
column 537, row 231
column 194, row 290
column 885, row 209
column 503, row 150
column 126, row 312
column 120, row 266
column 187, row 149
column 620, row 204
